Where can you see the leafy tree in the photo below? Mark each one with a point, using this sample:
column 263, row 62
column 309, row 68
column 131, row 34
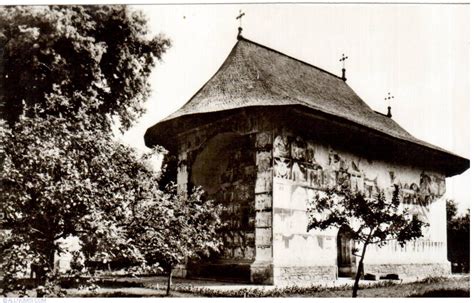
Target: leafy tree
column 60, row 60
column 451, row 210
column 58, row 181
column 458, row 237
column 69, row 72
column 176, row 228
column 368, row 220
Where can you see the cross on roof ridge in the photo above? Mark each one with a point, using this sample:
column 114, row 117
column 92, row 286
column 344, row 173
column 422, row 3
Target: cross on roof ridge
column 343, row 60
column 389, row 108
column 239, row 17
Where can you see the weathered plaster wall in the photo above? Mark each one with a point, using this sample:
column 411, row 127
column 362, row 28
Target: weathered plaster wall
column 302, row 167
column 227, row 158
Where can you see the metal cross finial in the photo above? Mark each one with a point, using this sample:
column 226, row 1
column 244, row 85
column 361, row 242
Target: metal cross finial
column 343, row 59
column 388, row 98
column 239, row 17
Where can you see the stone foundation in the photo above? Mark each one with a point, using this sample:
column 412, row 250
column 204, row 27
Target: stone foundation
column 409, row 270
column 304, row 275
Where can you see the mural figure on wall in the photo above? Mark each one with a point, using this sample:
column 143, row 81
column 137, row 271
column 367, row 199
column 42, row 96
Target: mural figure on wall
column 370, row 188
column 298, row 173
column 426, row 187
column 315, row 177
column 334, row 160
column 357, row 180
column 281, row 147
column 343, row 180
column 263, row 140
column 264, row 159
column 310, row 156
column 298, row 149
column 264, row 182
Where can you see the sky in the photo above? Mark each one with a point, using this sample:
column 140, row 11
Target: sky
column 418, row 53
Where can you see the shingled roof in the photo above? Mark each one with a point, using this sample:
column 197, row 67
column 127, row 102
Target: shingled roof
column 255, row 75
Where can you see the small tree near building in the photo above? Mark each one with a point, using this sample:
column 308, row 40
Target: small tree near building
column 177, row 228
column 369, row 221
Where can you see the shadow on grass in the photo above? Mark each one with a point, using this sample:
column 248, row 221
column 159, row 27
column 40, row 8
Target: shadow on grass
column 444, row 293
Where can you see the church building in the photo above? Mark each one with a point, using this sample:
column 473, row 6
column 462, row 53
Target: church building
column 264, row 134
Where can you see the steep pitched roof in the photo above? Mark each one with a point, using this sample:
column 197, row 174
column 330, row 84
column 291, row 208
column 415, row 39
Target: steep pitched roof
column 255, row 75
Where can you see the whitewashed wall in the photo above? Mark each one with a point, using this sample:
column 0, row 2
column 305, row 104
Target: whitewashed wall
column 294, row 246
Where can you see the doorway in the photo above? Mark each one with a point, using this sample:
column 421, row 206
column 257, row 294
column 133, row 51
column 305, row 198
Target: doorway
column 346, row 262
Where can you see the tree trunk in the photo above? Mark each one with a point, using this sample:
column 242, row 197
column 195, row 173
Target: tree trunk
column 360, row 269
column 357, row 278
column 51, row 253
column 43, row 275
column 169, row 282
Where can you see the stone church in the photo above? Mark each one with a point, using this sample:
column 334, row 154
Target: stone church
column 264, row 134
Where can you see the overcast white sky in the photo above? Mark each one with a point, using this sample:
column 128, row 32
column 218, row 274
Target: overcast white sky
column 419, row 53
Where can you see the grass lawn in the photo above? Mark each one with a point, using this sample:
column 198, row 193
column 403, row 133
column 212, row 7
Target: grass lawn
column 458, row 287
column 454, row 286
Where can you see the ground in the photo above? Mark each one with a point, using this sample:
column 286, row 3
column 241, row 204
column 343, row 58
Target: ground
column 453, row 286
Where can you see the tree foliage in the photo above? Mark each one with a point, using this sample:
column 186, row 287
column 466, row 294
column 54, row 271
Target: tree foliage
column 60, row 60
column 177, row 228
column 458, row 237
column 58, row 181
column 369, row 221
column 70, row 72
column 451, row 210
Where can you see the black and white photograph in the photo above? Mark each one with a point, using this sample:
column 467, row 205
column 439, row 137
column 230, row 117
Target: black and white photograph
column 235, row 150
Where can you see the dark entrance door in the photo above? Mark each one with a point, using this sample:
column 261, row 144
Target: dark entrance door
column 346, row 262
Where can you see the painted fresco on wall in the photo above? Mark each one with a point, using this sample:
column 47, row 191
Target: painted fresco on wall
column 295, row 159
column 237, row 183
column 419, row 197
